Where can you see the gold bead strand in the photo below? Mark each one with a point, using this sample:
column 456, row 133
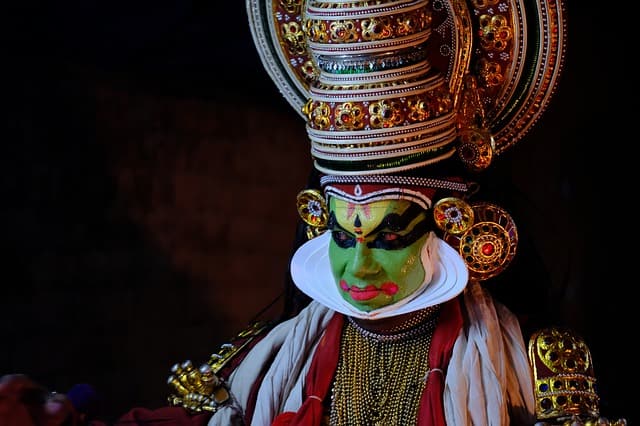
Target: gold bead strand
column 380, row 377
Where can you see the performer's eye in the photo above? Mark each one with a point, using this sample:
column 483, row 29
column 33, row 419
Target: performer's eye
column 343, row 239
column 389, row 236
column 388, row 241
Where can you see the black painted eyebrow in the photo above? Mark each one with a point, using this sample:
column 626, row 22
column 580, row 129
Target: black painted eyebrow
column 395, row 222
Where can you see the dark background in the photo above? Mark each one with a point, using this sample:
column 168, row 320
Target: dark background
column 148, row 195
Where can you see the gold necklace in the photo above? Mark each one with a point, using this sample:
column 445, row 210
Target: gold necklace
column 380, row 377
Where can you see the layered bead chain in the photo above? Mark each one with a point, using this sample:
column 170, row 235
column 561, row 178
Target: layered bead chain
column 380, row 377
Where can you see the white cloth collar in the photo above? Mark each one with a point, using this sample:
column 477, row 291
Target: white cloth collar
column 311, row 272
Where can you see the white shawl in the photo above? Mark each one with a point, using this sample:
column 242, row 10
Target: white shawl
column 488, row 381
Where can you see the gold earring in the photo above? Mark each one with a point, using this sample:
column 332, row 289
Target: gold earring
column 486, row 237
column 313, row 211
column 453, row 215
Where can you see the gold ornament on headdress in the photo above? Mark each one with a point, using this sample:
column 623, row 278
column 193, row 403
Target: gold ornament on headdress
column 476, row 143
column 394, row 85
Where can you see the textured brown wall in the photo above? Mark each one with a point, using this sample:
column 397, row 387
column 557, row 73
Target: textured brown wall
column 147, row 228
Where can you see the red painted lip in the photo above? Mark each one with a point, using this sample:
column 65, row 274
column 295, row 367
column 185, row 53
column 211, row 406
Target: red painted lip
column 369, row 292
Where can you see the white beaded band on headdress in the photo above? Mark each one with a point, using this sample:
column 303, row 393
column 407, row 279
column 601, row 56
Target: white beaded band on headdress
column 397, row 180
column 385, row 187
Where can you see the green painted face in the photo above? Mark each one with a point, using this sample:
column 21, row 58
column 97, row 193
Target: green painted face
column 375, row 250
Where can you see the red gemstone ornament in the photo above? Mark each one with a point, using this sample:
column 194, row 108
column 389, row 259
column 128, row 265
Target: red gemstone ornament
column 488, row 249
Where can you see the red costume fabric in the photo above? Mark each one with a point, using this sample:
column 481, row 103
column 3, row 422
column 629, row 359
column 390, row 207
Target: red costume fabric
column 325, row 362
column 165, row 416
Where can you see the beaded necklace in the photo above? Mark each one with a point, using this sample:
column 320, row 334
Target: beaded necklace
column 380, row 377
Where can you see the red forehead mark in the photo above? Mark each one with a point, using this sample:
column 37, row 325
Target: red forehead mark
column 351, row 208
column 366, row 210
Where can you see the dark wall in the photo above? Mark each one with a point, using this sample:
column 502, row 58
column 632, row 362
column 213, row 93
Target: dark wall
column 148, row 196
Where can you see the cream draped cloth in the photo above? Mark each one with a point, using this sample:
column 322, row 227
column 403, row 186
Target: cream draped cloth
column 488, row 381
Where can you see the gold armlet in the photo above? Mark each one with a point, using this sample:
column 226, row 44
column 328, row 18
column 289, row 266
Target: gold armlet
column 564, row 380
column 204, row 389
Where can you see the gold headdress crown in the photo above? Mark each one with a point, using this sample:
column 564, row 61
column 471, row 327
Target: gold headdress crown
column 392, row 85
column 377, row 104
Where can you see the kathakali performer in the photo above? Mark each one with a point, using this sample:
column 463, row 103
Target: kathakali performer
column 405, row 101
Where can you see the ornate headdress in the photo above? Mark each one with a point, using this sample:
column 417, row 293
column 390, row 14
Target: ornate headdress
column 395, row 93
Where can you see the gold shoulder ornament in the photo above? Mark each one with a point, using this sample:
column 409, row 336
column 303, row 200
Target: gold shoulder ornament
column 564, row 380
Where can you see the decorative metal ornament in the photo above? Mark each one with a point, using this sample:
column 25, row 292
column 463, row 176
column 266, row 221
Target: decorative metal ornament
column 489, row 245
column 476, row 143
column 197, row 389
column 564, row 380
column 313, row 210
column 320, row 50
column 453, row 215
column 205, row 389
column 476, row 148
column 564, row 377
